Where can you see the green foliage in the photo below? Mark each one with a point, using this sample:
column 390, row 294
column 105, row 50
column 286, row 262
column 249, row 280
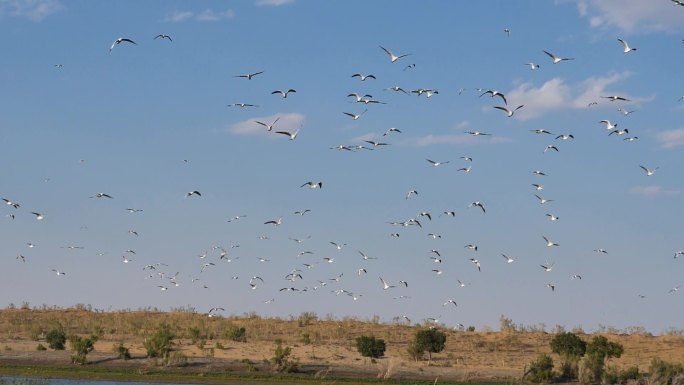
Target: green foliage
column 122, row 351
column 305, row 338
column 281, row 358
column 541, row 369
column 234, row 333
column 570, row 348
column 370, row 346
column 431, row 341
column 568, row 345
column 415, row 351
column 598, row 350
column 159, row 345
column 41, row 347
column 56, row 338
column 81, row 346
column 470, row 328
column 665, row 373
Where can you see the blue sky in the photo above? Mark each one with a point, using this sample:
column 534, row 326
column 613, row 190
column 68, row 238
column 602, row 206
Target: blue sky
column 149, row 122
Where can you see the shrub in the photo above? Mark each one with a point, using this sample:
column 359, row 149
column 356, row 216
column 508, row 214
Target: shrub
column 281, row 358
column 122, row 351
column 41, row 347
column 370, row 346
column 159, row 345
column 56, row 339
column 598, row 351
column 570, row 348
column 541, row 369
column 415, row 351
column 81, row 347
column 234, row 333
column 665, row 373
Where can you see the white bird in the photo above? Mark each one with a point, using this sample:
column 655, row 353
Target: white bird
column 269, row 127
column 437, row 163
column 461, row 284
column 539, row 173
column 451, row 301
column 602, row 251
column 365, row 257
column 102, row 195
column 543, row 200
column 648, row 171
column 532, row 66
column 119, row 41
column 242, row 105
column 549, row 243
column 250, row 75
column 625, row 46
column 125, row 259
column 59, row 272
column 478, row 204
column 392, row 56
column 556, row 59
column 191, row 193
column 493, row 93
column 338, row 246
column 396, row 89
column 565, row 137
column 548, row 267
column 476, row 133
column 551, row 286
column 385, row 285
column 39, row 216
column 410, row 193
column 575, row 276
column 363, row 77
column 283, row 93
column 550, row 147
column 162, row 36
column 541, row 131
column 10, row 203
column 390, row 130
column 609, row 125
column 552, row 217
column 614, row 98
column 313, row 185
column 538, row 186
column 476, row 262
column 292, row 136
column 357, row 116
column 276, row 222
column 678, row 253
column 508, row 259
column 471, row 247
column 508, row 111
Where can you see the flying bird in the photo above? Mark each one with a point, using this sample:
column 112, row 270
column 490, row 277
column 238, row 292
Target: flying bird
column 283, row 93
column 386, row 285
column 102, row 195
column 625, row 47
column 250, row 75
column 162, row 36
column 555, row 59
column 355, row 116
column 549, row 243
column 292, row 136
column 436, row 163
column 508, row 111
column 493, row 93
column 478, row 204
column 269, row 127
column 392, row 56
column 119, row 41
column 649, row 172
column 313, row 185
column 191, row 193
column 362, row 77
column 390, row 130
column 614, row 98
column 532, row 66
column 242, row 105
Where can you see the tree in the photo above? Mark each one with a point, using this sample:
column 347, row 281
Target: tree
column 81, row 347
column 282, row 360
column 431, row 341
column 56, row 338
column 370, row 346
column 598, row 350
column 159, row 345
column 570, row 348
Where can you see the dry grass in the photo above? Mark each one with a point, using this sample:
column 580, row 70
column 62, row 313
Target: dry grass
column 468, row 355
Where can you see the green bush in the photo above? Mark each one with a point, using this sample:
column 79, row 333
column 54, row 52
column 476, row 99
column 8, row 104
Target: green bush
column 122, row 351
column 281, row 359
column 664, row 373
column 81, row 347
column 41, row 347
column 570, row 348
column 598, row 351
column 159, row 345
column 541, row 369
column 370, row 346
column 234, row 333
column 415, row 351
column 56, row 339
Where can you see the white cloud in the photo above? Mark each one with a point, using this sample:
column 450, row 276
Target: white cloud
column 653, row 191
column 632, row 16
column 178, row 16
column 289, row 122
column 671, row 138
column 206, row 15
column 556, row 94
column 210, row 15
column 274, row 3
column 468, row 139
column 34, row 10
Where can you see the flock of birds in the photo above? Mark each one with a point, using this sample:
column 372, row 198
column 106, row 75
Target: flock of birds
column 303, row 277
